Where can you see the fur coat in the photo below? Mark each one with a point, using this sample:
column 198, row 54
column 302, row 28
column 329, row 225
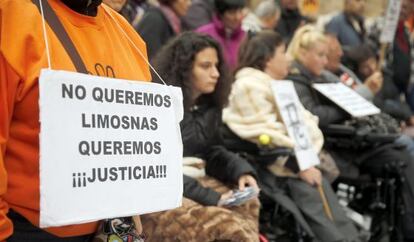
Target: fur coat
column 252, row 111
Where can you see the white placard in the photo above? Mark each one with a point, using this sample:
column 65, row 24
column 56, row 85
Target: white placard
column 347, row 99
column 290, row 109
column 391, row 21
column 108, row 148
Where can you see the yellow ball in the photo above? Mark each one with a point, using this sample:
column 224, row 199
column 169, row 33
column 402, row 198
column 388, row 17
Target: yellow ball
column 114, row 238
column 264, row 139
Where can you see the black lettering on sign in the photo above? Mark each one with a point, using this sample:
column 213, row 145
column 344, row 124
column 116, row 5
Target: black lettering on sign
column 88, row 148
column 118, row 174
column 298, row 129
column 69, row 91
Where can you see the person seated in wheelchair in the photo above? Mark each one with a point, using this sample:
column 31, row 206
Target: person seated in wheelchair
column 194, row 62
column 252, row 113
column 363, row 61
column 361, row 73
column 380, row 157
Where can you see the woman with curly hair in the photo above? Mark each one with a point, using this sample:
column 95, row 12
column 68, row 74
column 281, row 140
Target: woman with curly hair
column 194, row 62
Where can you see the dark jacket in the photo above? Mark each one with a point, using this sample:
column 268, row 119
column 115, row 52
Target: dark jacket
column 347, row 35
column 155, row 29
column 289, row 22
column 196, row 192
column 200, row 13
column 401, row 57
column 201, row 138
column 313, row 101
column 388, row 100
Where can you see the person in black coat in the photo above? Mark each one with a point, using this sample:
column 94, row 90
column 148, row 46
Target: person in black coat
column 309, row 52
column 290, row 20
column 159, row 24
column 194, row 62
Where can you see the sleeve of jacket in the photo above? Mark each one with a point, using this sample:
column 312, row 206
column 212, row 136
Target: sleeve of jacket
column 8, row 88
column 201, row 137
column 226, row 166
column 328, row 114
column 196, row 192
column 365, row 92
column 396, row 109
column 390, row 100
column 151, row 28
column 193, row 135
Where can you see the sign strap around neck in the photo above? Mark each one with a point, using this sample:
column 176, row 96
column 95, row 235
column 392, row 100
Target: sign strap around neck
column 54, row 22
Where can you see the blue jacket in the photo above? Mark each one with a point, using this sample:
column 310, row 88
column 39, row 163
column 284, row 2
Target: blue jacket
column 347, row 35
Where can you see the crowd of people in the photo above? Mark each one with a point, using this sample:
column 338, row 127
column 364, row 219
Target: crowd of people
column 224, row 56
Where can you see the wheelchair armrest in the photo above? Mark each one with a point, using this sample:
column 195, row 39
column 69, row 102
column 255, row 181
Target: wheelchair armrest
column 268, row 156
column 338, row 130
column 381, row 138
column 359, row 180
column 276, row 152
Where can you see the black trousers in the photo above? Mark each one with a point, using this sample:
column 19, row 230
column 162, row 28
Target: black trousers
column 24, row 231
column 305, row 204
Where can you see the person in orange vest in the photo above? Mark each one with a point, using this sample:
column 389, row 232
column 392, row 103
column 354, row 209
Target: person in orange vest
column 98, row 34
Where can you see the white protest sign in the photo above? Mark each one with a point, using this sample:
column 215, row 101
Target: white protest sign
column 390, row 22
column 108, row 148
column 347, row 99
column 290, row 109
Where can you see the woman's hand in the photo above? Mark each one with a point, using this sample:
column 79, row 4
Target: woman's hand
column 374, row 82
column 224, row 197
column 312, row 176
column 247, row 180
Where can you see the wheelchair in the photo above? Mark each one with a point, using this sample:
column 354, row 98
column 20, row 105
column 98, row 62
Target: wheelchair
column 279, row 220
column 373, row 203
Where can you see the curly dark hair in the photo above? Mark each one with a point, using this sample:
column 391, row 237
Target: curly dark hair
column 222, row 6
column 258, row 48
column 175, row 61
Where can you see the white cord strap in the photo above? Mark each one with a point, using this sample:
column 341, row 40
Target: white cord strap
column 137, row 49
